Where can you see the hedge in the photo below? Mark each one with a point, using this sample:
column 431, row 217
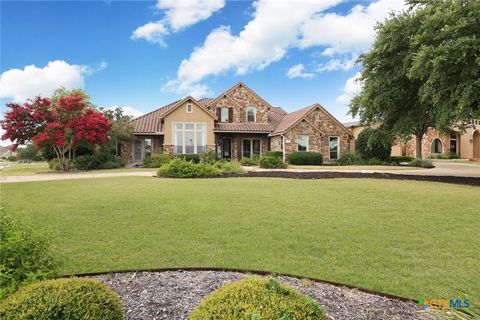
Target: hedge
column 305, row 158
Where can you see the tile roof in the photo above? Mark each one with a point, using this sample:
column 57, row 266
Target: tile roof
column 291, row 118
column 150, row 122
column 351, row 124
column 244, row 127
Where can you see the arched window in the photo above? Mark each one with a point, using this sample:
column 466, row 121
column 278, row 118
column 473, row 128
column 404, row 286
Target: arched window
column 251, row 114
column 437, row 146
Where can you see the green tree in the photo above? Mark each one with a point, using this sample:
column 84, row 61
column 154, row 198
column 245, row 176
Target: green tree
column 122, row 129
column 374, row 143
column 29, row 153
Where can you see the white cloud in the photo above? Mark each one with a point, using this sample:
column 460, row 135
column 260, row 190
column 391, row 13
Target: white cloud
column 179, row 15
column 32, row 80
column 297, row 72
column 195, row 90
column 352, row 87
column 344, row 64
column 128, row 110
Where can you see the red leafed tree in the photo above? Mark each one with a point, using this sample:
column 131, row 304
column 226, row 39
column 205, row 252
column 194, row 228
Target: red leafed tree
column 61, row 122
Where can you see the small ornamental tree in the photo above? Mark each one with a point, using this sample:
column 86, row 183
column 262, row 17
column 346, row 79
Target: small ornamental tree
column 60, row 123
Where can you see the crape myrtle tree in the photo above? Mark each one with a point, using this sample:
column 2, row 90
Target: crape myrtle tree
column 423, row 70
column 60, row 123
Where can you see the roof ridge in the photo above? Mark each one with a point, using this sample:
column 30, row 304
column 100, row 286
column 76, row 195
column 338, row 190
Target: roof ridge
column 167, row 105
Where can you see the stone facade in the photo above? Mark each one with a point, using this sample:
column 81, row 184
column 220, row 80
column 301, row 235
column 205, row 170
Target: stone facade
column 427, row 139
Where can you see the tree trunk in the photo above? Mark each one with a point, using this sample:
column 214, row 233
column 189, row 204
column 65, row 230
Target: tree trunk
column 418, row 145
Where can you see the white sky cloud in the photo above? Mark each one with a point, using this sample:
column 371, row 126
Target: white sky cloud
column 179, row 15
column 345, row 64
column 21, row 85
column 131, row 111
column 351, row 88
column 296, row 71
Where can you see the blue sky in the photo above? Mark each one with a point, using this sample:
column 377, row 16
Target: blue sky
column 130, row 54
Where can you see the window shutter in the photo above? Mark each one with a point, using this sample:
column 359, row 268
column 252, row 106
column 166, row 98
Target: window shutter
column 219, row 114
column 230, row 114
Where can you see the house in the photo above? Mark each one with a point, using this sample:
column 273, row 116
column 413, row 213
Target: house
column 238, row 123
column 465, row 144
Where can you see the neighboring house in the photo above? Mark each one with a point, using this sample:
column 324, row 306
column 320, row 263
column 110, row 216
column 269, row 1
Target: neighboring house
column 236, row 124
column 466, row 145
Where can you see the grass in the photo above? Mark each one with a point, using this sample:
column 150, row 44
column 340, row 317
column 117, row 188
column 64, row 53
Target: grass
column 413, row 239
column 353, row 167
column 34, row 168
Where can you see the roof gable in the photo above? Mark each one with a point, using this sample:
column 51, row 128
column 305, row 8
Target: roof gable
column 238, row 84
column 191, row 99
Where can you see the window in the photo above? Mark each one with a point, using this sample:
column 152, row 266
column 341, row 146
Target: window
column 333, row 147
column 189, row 137
column 251, row 114
column 147, row 147
column 302, row 142
column 189, row 108
column 437, row 146
column 453, row 142
column 251, row 147
column 224, row 115
column 137, row 149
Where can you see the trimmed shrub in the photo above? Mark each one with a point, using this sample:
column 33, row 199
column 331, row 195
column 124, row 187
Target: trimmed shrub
column 400, row 159
column 278, row 154
column 253, row 161
column 195, row 158
column 272, row 163
column 63, row 299
column 421, row 163
column 349, row 158
column 156, row 160
column 305, row 158
column 180, row 168
column 229, row 167
column 373, row 143
column 12, row 158
column 24, row 257
column 209, row 157
column 257, row 298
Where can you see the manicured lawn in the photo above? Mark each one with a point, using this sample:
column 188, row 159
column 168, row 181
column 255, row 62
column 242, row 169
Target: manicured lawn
column 26, row 169
column 414, row 239
column 356, row 167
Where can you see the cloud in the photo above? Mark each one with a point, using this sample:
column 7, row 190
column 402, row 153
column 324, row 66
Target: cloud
column 297, row 72
column 179, row 15
column 32, row 80
column 195, row 90
column 352, row 87
column 128, row 110
column 344, row 64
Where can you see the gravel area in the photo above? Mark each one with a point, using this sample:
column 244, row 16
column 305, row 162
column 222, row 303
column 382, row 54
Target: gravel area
column 174, row 294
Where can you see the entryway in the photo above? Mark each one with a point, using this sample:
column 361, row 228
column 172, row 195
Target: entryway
column 227, row 148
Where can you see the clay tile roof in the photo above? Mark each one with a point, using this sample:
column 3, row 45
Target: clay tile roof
column 204, row 102
column 351, row 124
column 150, row 122
column 291, row 118
column 244, row 127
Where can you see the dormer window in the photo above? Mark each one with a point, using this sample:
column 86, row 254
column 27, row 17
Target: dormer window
column 224, row 115
column 189, row 108
column 251, row 114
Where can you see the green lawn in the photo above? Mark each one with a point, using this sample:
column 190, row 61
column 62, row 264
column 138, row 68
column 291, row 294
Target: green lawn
column 27, row 169
column 413, row 239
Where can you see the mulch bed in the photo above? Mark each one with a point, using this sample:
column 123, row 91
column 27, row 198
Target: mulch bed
column 473, row 181
column 174, row 294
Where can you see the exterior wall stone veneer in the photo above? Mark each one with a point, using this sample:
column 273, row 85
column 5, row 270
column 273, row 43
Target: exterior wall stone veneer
column 427, row 139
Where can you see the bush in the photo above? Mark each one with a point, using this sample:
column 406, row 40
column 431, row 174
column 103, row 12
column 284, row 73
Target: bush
column 54, row 165
column 445, row 156
column 156, row 160
column 29, row 153
column 195, row 158
column 229, row 167
column 180, row 168
column 98, row 160
column 421, row 163
column 24, row 257
column 208, row 157
column 373, row 143
column 375, row 162
column 253, row 161
column 257, row 298
column 12, row 158
column 348, row 159
column 272, row 163
column 399, row 159
column 305, row 158
column 278, row 154
column 65, row 299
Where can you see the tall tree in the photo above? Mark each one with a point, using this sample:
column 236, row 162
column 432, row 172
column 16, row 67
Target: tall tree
column 122, row 129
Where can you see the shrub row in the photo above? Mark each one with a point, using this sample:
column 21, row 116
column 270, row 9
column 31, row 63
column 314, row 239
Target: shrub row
column 445, row 156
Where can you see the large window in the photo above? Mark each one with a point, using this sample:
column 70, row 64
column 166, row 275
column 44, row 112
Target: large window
column 333, row 146
column 224, row 115
column 251, row 114
column 147, row 147
column 189, row 137
column 251, row 147
column 302, row 142
column 137, row 149
column 142, row 148
column 437, row 146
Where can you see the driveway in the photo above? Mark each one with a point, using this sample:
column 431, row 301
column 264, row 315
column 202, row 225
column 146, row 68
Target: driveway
column 68, row 176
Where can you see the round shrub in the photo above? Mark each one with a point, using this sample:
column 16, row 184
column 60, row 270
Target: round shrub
column 305, row 158
column 373, row 143
column 272, row 163
column 229, row 167
column 180, row 168
column 257, row 298
column 348, row 159
column 66, row 299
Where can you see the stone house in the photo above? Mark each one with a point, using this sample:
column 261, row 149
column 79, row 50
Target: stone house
column 236, row 124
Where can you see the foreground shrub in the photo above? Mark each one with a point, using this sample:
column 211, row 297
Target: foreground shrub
column 229, row 167
column 195, row 158
column 349, row 158
column 373, row 143
column 375, row 162
column 209, row 157
column 272, row 163
column 98, row 160
column 421, row 163
column 257, row 298
column 156, row 160
column 65, row 299
column 24, row 257
column 445, row 156
column 12, row 158
column 305, row 158
column 180, row 168
column 278, row 154
column 399, row 159
column 253, row 161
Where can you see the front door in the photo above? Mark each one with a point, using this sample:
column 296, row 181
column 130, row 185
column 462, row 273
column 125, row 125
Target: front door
column 227, row 148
